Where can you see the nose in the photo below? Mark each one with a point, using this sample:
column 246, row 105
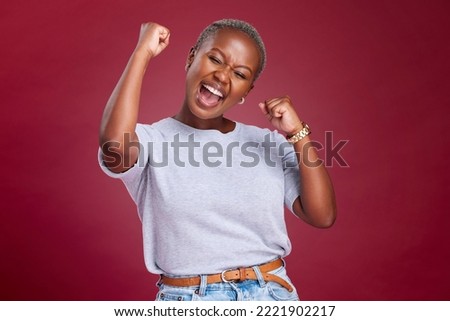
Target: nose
column 222, row 74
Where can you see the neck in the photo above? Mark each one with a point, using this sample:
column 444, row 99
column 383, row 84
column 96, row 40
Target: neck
column 220, row 123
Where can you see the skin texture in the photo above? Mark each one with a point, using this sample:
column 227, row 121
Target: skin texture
column 227, row 62
column 317, row 203
column 120, row 115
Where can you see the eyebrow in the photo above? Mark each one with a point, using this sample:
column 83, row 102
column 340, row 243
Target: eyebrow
column 239, row 66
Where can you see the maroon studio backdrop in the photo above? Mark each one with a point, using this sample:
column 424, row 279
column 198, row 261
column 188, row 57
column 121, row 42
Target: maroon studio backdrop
column 373, row 73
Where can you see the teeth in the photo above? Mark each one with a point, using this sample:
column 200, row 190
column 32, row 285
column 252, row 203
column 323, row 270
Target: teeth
column 213, row 90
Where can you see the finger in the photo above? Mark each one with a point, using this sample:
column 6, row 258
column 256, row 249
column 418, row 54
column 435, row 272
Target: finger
column 276, row 108
column 272, row 102
column 279, row 100
column 277, row 111
column 165, row 41
column 262, row 107
column 164, row 33
column 265, row 111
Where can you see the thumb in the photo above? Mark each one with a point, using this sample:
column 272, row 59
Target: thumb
column 164, row 34
column 262, row 107
column 164, row 40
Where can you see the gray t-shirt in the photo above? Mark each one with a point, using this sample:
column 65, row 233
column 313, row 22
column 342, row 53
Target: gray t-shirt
column 210, row 201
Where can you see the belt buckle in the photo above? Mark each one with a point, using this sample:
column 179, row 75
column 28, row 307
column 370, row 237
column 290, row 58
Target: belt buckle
column 222, row 276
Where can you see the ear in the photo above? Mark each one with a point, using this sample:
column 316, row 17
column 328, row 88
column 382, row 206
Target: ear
column 190, row 58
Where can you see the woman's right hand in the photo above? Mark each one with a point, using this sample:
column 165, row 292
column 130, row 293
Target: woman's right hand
column 153, row 39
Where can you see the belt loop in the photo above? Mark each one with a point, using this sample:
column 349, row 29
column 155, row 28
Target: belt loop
column 284, row 262
column 158, row 284
column 258, row 273
column 239, row 294
column 203, row 284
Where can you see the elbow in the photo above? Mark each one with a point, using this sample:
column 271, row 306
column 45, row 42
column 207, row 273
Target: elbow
column 325, row 219
column 326, row 214
column 119, row 156
column 112, row 155
column 322, row 216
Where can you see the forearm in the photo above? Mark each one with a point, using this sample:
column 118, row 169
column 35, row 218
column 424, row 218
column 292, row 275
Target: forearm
column 117, row 130
column 121, row 111
column 316, row 204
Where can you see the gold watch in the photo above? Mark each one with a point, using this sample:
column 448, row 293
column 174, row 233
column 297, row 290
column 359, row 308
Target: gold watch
column 305, row 131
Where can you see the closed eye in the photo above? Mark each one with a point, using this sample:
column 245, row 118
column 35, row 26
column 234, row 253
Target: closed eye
column 215, row 60
column 240, row 75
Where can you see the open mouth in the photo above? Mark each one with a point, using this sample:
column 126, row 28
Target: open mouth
column 210, row 95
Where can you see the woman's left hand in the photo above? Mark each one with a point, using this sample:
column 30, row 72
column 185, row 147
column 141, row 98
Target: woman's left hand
column 282, row 115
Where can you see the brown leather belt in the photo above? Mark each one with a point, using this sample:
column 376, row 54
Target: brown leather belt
column 236, row 275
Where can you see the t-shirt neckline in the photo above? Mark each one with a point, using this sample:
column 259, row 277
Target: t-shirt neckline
column 232, row 132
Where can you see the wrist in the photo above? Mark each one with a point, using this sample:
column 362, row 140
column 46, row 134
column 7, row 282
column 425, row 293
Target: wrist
column 300, row 134
column 142, row 53
column 296, row 129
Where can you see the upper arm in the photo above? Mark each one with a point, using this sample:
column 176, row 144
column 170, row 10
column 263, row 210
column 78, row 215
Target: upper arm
column 297, row 208
column 321, row 220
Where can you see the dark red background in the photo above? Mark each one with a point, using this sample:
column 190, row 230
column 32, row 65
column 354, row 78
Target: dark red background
column 375, row 73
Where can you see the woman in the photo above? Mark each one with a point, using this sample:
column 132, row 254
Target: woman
column 209, row 190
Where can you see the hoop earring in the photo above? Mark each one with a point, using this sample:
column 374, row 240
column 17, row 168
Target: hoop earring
column 241, row 101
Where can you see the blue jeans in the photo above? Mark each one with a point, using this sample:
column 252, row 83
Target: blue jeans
column 248, row 290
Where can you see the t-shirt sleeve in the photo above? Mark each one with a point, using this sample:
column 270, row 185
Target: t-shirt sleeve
column 144, row 134
column 291, row 172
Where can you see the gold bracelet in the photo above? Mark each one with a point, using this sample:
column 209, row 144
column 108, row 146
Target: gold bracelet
column 305, row 131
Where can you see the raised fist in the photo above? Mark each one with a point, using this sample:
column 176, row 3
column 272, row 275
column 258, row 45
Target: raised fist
column 153, row 38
